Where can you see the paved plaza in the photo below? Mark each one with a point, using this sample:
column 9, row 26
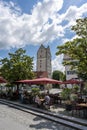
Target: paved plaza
column 13, row 119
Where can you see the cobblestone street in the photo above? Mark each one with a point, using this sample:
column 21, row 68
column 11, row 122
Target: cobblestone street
column 13, row 119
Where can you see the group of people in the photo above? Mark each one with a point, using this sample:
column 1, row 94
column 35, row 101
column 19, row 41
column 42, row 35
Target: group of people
column 45, row 103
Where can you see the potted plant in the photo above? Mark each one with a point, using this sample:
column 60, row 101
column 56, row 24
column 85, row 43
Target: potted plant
column 65, row 94
column 35, row 91
column 73, row 97
column 85, row 89
column 75, row 88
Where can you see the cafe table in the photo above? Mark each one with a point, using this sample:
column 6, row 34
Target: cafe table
column 41, row 99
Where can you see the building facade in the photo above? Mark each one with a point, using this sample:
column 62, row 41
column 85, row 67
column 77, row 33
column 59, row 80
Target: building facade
column 70, row 73
column 44, row 61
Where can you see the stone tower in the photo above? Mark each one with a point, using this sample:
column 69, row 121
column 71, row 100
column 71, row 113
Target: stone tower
column 44, row 60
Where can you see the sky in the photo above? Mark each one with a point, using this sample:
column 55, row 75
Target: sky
column 29, row 23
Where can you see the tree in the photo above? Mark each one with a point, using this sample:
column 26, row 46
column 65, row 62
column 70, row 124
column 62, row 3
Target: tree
column 18, row 66
column 58, row 75
column 77, row 49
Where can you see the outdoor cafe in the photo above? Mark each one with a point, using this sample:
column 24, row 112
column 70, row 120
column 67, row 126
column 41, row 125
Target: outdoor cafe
column 76, row 106
column 79, row 105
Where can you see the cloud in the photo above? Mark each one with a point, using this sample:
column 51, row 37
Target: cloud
column 34, row 65
column 43, row 25
column 57, row 63
column 73, row 13
column 18, row 29
column 64, row 40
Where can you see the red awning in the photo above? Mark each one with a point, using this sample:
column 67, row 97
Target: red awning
column 72, row 81
column 2, row 80
column 40, row 81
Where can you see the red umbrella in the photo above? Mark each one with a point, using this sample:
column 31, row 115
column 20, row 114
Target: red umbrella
column 72, row 81
column 2, row 80
column 40, row 81
column 24, row 81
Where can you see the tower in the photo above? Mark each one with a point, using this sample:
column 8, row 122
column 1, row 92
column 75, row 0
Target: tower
column 44, row 60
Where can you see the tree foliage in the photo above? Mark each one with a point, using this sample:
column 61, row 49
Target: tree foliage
column 58, row 75
column 18, row 66
column 77, row 49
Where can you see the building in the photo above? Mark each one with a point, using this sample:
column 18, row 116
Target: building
column 70, row 73
column 44, row 62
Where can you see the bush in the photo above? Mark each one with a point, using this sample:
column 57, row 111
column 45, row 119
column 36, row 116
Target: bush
column 35, row 91
column 75, row 88
column 66, row 93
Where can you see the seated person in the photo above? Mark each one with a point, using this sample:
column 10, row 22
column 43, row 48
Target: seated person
column 47, row 101
column 37, row 101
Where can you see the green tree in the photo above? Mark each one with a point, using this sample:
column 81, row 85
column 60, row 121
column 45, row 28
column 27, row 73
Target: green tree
column 77, row 49
column 58, row 75
column 18, row 66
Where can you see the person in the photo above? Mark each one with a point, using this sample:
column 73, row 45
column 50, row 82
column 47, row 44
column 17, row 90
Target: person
column 47, row 101
column 37, row 101
column 22, row 97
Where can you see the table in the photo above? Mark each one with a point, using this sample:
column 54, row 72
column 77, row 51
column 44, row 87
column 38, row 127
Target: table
column 42, row 99
column 82, row 105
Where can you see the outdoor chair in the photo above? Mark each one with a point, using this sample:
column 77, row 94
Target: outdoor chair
column 76, row 110
column 80, row 100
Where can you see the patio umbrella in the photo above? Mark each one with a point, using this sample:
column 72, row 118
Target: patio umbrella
column 40, row 81
column 2, row 80
column 72, row 81
column 24, row 81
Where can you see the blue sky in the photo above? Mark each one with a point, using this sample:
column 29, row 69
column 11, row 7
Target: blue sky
column 30, row 23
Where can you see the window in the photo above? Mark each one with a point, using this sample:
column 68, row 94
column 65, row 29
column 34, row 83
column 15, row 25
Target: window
column 71, row 72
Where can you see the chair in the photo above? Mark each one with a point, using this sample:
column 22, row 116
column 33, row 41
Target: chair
column 80, row 100
column 76, row 110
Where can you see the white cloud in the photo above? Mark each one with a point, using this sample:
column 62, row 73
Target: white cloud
column 17, row 29
column 57, row 63
column 43, row 25
column 64, row 40
column 73, row 13
column 34, row 65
